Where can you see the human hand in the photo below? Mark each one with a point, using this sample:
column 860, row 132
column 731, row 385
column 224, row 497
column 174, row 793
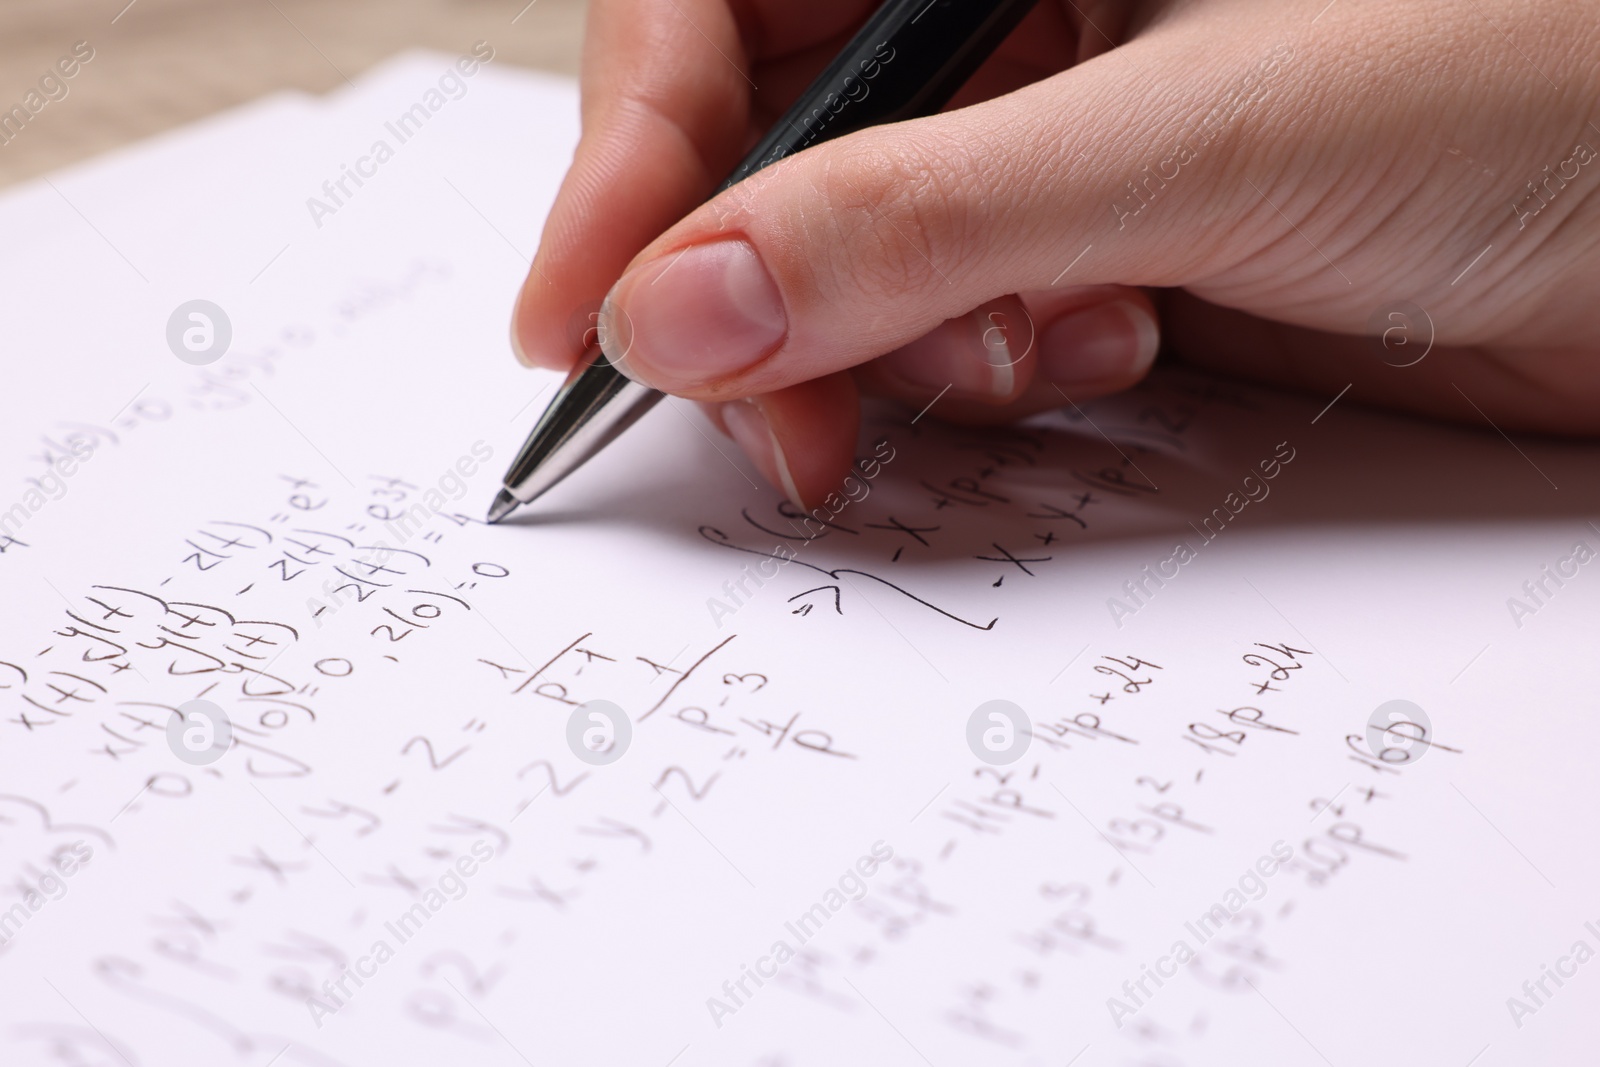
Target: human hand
column 1285, row 174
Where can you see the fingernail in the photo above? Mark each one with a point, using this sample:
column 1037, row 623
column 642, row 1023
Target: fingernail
column 706, row 313
column 754, row 435
column 971, row 355
column 1110, row 342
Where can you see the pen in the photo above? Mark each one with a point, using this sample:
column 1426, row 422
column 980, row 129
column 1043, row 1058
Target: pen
column 907, row 61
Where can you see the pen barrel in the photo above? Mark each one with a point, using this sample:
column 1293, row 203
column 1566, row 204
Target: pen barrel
column 907, row 61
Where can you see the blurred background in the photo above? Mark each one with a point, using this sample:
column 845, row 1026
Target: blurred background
column 161, row 63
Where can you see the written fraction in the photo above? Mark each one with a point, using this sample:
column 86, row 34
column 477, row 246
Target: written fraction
column 1201, row 725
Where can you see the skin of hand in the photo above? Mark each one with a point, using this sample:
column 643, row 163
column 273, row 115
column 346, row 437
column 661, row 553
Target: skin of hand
column 1400, row 197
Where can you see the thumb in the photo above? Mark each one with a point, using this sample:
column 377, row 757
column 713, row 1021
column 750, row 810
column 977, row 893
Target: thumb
column 857, row 247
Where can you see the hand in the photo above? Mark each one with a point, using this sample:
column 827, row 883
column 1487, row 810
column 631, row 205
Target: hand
column 1285, row 174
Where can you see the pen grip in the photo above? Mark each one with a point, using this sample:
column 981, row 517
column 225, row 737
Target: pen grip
column 907, row 61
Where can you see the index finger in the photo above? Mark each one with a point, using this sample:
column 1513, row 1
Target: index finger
column 668, row 92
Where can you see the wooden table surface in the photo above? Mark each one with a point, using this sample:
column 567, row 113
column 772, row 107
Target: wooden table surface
column 162, row 63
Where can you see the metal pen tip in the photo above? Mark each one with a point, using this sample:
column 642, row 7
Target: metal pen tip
column 594, row 406
column 504, row 504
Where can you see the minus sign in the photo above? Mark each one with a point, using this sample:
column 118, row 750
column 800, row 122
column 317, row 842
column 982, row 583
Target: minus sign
column 391, row 787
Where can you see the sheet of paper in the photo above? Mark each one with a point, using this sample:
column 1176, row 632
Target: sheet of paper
column 1197, row 831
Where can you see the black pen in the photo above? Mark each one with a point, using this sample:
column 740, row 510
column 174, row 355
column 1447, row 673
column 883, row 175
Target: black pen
column 907, row 61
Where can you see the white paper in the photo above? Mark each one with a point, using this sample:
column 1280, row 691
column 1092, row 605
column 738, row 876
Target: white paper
column 222, row 539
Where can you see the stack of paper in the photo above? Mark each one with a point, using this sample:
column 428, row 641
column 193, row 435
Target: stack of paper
column 1197, row 726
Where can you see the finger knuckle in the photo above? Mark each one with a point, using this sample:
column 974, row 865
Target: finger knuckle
column 895, row 216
